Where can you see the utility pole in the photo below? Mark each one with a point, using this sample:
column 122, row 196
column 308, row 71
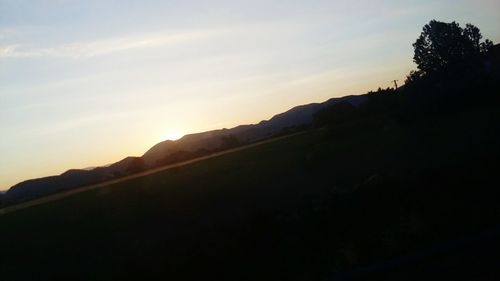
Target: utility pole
column 395, row 84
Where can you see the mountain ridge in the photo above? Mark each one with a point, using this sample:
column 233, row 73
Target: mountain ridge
column 168, row 152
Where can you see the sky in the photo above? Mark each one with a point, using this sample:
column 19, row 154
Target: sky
column 87, row 83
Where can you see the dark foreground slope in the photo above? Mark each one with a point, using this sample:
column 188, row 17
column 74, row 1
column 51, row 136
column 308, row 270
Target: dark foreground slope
column 365, row 199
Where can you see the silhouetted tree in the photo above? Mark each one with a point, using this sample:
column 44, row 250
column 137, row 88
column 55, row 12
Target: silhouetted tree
column 413, row 77
column 441, row 44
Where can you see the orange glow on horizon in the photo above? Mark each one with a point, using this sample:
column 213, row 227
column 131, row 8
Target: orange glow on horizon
column 172, row 135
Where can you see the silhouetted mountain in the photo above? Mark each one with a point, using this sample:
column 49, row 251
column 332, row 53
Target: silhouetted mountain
column 167, row 152
column 70, row 179
column 38, row 187
column 292, row 119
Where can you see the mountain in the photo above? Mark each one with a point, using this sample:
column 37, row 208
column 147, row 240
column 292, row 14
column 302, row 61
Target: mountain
column 70, row 179
column 167, row 152
column 218, row 139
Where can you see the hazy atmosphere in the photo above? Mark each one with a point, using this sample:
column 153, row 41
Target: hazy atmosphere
column 86, row 83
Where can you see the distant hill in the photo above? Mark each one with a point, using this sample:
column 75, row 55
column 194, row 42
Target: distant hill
column 70, row 179
column 217, row 140
column 167, row 152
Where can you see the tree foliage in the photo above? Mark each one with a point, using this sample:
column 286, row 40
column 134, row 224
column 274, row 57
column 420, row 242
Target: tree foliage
column 441, row 44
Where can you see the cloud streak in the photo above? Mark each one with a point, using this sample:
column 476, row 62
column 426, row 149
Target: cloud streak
column 79, row 50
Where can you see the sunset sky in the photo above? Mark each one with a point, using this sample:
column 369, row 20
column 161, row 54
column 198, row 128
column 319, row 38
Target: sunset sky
column 87, row 83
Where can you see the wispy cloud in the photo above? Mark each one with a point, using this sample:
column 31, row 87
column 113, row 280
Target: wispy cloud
column 7, row 51
column 102, row 47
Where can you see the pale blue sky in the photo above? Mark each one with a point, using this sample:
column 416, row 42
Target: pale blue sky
column 86, row 83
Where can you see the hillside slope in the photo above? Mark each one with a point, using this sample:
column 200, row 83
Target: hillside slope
column 309, row 207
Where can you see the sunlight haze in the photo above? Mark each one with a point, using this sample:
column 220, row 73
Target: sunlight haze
column 87, row 83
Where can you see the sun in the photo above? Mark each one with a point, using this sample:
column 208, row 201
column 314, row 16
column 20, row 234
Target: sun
column 172, row 135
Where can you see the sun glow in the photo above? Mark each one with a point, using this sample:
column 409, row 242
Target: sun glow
column 172, row 135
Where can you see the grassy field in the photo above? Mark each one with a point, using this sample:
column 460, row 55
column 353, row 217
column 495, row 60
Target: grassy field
column 301, row 208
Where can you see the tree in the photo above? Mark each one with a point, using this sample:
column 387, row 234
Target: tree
column 441, row 44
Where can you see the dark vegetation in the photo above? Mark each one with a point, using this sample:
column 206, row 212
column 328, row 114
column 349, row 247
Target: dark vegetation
column 402, row 186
